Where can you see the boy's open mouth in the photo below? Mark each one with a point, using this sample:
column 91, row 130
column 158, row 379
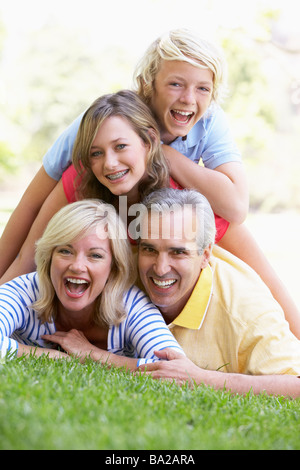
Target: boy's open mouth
column 182, row 117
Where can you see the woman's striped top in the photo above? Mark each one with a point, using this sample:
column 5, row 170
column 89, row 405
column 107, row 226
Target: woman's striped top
column 139, row 335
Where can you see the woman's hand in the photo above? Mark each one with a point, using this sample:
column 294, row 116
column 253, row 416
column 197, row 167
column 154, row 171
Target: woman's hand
column 73, row 342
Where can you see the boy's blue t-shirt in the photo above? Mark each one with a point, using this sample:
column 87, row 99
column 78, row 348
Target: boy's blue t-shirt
column 210, row 140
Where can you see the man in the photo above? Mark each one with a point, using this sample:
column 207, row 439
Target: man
column 224, row 317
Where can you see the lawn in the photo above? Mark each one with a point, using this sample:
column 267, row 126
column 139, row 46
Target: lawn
column 46, row 404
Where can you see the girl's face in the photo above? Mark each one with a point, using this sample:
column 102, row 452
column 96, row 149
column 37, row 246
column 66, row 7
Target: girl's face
column 79, row 272
column 118, row 157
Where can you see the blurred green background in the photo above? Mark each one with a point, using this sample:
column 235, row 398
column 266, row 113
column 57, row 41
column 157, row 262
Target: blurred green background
column 57, row 57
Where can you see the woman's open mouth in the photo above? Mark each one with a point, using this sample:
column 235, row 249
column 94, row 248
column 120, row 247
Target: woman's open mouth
column 76, row 287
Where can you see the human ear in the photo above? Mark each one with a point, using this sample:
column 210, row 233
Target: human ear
column 206, row 256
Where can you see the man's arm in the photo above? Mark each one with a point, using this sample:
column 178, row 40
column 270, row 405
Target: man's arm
column 226, row 187
column 181, row 369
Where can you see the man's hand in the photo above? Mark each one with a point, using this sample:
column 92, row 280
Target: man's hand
column 174, row 366
column 181, row 369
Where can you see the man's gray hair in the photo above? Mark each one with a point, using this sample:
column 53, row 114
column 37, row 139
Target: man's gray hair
column 169, row 199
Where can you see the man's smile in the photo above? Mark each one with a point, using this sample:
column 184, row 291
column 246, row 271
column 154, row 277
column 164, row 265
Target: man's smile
column 163, row 284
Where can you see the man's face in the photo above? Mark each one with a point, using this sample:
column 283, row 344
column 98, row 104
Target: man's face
column 169, row 262
column 181, row 94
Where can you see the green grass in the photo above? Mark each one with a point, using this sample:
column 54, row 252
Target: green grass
column 46, row 404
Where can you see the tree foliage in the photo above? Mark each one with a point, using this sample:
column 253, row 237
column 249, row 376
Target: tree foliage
column 51, row 80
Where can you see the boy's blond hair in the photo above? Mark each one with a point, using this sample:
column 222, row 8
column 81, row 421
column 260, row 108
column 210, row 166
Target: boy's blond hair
column 180, row 45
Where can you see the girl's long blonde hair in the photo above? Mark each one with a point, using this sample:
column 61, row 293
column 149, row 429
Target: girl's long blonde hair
column 129, row 106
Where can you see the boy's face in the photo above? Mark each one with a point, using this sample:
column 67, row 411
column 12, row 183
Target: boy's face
column 181, row 94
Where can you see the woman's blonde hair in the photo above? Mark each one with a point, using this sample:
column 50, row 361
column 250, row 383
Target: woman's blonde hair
column 128, row 105
column 73, row 222
column 180, row 45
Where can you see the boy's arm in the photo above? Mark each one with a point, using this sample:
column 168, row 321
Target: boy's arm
column 239, row 241
column 24, row 263
column 226, row 187
column 18, row 226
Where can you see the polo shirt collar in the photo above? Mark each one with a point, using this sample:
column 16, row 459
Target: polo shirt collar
column 193, row 314
column 199, row 130
column 196, row 134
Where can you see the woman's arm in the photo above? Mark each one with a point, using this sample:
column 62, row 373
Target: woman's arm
column 18, row 226
column 24, row 263
column 239, row 241
column 37, row 352
column 144, row 330
column 226, row 187
column 76, row 344
column 16, row 317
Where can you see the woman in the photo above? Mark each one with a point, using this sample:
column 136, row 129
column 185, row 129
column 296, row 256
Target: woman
column 81, row 296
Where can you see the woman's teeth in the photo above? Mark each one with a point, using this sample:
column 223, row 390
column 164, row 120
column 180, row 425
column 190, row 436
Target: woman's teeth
column 115, row 176
column 76, row 285
column 77, row 281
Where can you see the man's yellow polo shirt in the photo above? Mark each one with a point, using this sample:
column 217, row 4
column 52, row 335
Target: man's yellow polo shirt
column 232, row 322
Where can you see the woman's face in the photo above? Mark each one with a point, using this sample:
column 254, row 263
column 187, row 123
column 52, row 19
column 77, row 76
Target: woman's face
column 79, row 271
column 118, row 157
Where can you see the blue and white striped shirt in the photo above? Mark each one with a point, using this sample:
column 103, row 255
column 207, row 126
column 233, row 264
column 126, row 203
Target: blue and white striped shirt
column 141, row 333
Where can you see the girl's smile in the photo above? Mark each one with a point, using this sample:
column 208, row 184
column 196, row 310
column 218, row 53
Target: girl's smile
column 118, row 157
